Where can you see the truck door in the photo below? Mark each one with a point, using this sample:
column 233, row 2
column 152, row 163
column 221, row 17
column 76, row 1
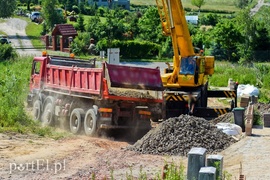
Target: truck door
column 35, row 76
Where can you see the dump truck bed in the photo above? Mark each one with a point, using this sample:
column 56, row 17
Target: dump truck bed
column 85, row 80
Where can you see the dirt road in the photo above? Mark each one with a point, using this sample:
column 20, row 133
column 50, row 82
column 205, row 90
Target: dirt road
column 77, row 157
column 27, row 157
column 15, row 29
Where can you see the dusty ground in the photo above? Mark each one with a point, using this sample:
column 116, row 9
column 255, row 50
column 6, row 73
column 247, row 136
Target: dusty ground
column 78, row 157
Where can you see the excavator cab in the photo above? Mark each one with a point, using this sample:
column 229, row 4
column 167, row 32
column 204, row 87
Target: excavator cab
column 188, row 66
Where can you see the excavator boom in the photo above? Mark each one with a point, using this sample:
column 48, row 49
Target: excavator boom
column 188, row 69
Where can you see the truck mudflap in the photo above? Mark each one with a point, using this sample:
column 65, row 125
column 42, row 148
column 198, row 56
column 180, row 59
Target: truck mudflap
column 134, row 77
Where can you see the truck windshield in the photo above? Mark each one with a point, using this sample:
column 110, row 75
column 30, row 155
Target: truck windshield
column 188, row 66
column 36, row 67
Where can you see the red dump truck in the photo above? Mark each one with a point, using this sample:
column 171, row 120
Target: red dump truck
column 92, row 98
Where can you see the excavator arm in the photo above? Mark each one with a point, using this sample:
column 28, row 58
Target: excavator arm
column 174, row 24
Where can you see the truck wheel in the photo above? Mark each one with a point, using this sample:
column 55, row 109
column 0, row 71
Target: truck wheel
column 37, row 110
column 47, row 116
column 90, row 123
column 75, row 120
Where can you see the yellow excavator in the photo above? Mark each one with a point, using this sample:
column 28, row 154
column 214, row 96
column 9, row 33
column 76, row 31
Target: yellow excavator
column 189, row 69
column 189, row 73
column 188, row 76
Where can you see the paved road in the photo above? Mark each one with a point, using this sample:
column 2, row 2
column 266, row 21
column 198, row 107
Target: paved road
column 15, row 29
column 253, row 152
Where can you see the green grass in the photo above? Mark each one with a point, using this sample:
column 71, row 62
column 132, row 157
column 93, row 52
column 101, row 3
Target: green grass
column 2, row 20
column 14, row 83
column 223, row 5
column 3, row 33
column 257, row 76
column 33, row 31
column 86, row 18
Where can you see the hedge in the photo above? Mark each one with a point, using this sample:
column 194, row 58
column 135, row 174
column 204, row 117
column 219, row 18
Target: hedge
column 131, row 49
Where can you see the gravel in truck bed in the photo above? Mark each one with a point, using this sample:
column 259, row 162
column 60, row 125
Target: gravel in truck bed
column 130, row 93
column 176, row 136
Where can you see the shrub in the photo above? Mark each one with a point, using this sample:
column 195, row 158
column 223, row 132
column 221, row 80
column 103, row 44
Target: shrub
column 7, row 52
column 31, row 4
column 89, row 11
column 75, row 9
column 80, row 44
column 13, row 74
column 62, row 6
column 131, row 49
column 101, row 11
column 209, row 19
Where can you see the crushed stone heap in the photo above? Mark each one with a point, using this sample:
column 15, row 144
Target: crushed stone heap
column 176, row 136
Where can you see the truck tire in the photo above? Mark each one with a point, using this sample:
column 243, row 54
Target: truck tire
column 37, row 110
column 48, row 112
column 75, row 120
column 90, row 123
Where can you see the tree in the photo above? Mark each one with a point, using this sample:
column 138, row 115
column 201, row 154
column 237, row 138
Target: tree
column 227, row 34
column 150, row 26
column 81, row 23
column 69, row 4
column 7, row 8
column 50, row 15
column 198, row 3
column 28, row 2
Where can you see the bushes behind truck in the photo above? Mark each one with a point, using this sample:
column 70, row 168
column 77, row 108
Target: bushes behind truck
column 131, row 49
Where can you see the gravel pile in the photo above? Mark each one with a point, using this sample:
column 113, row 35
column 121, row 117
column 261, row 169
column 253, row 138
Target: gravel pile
column 130, row 93
column 225, row 118
column 176, row 136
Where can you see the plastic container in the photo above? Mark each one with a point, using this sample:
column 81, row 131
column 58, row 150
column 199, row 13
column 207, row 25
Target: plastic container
column 239, row 119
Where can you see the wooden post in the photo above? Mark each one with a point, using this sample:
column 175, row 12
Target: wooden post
column 47, row 42
column 62, row 43
column 54, row 43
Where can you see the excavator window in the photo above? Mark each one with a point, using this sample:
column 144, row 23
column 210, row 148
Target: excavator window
column 188, row 66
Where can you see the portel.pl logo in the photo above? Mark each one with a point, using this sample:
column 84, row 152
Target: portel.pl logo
column 38, row 165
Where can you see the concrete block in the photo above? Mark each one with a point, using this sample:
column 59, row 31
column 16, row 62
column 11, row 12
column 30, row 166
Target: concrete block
column 216, row 161
column 196, row 160
column 266, row 119
column 207, row 173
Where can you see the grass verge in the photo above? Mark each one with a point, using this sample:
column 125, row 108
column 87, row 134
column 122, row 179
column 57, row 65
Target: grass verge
column 3, row 33
column 2, row 20
column 33, row 31
column 14, row 81
column 221, row 5
column 257, row 75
